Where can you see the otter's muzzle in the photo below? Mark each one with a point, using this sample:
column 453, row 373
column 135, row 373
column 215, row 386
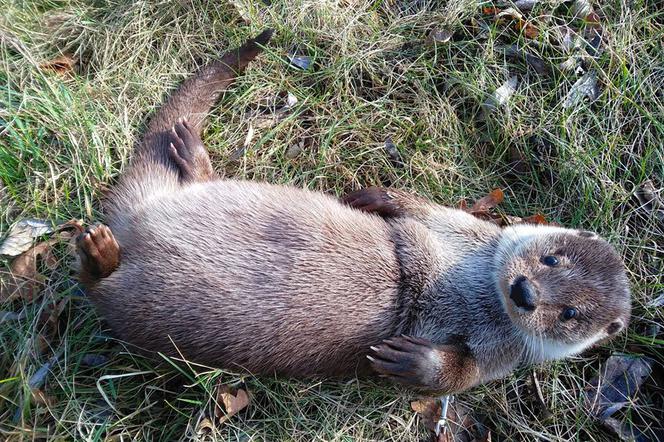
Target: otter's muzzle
column 523, row 294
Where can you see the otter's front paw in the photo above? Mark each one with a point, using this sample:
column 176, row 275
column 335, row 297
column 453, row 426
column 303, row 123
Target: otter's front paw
column 374, row 200
column 420, row 364
column 407, row 360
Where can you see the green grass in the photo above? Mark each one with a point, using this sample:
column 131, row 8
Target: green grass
column 63, row 139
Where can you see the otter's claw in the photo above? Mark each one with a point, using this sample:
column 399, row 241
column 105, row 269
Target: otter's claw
column 99, row 253
column 188, row 153
column 407, row 360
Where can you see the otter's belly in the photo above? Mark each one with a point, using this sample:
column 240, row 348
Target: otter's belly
column 264, row 277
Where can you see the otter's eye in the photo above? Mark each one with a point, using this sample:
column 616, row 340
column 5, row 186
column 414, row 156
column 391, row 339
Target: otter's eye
column 569, row 313
column 550, row 260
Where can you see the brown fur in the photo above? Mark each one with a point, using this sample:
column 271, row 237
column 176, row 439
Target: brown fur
column 274, row 279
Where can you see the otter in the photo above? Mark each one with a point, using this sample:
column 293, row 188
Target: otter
column 274, row 279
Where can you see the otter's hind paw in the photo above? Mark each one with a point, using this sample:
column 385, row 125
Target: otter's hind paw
column 187, row 151
column 99, row 253
column 373, row 200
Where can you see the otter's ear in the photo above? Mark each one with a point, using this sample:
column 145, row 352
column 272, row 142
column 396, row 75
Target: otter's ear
column 615, row 327
column 588, row 234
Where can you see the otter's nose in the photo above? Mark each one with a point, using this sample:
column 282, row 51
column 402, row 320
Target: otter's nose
column 523, row 293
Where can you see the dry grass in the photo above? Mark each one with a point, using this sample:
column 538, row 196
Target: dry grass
column 64, row 138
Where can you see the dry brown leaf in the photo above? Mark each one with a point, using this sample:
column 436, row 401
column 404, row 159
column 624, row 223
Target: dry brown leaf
column 204, row 426
column 63, row 64
column 49, row 259
column 233, row 401
column 488, row 10
column 484, row 204
column 462, row 425
column 537, row 218
column 23, row 280
column 429, row 410
column 529, row 30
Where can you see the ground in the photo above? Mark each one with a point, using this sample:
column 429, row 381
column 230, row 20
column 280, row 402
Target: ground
column 67, row 127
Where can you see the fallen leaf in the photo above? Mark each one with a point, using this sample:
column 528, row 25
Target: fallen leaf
column 501, row 96
column 439, row 35
column 625, row 431
column 393, row 153
column 63, row 64
column 508, row 220
column 572, row 64
column 615, row 387
column 461, row 425
column 480, row 29
column 657, row 302
column 300, row 61
column 23, row 280
column 232, row 399
column 247, row 142
column 516, row 53
column 565, row 37
column 509, row 13
column 204, row 426
column 585, row 86
column 537, row 218
column 38, row 379
column 242, row 10
column 650, row 199
column 294, row 150
column 489, row 10
column 20, row 236
column 429, row 410
column 488, row 202
column 529, row 30
column 581, row 8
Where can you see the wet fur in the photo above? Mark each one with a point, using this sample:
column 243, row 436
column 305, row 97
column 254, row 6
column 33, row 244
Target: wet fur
column 274, row 279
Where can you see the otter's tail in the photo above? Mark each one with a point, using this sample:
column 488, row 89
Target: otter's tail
column 195, row 97
column 151, row 170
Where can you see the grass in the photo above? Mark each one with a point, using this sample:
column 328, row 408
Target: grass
column 65, row 137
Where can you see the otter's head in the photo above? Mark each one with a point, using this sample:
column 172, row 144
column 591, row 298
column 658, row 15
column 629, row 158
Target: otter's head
column 564, row 289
